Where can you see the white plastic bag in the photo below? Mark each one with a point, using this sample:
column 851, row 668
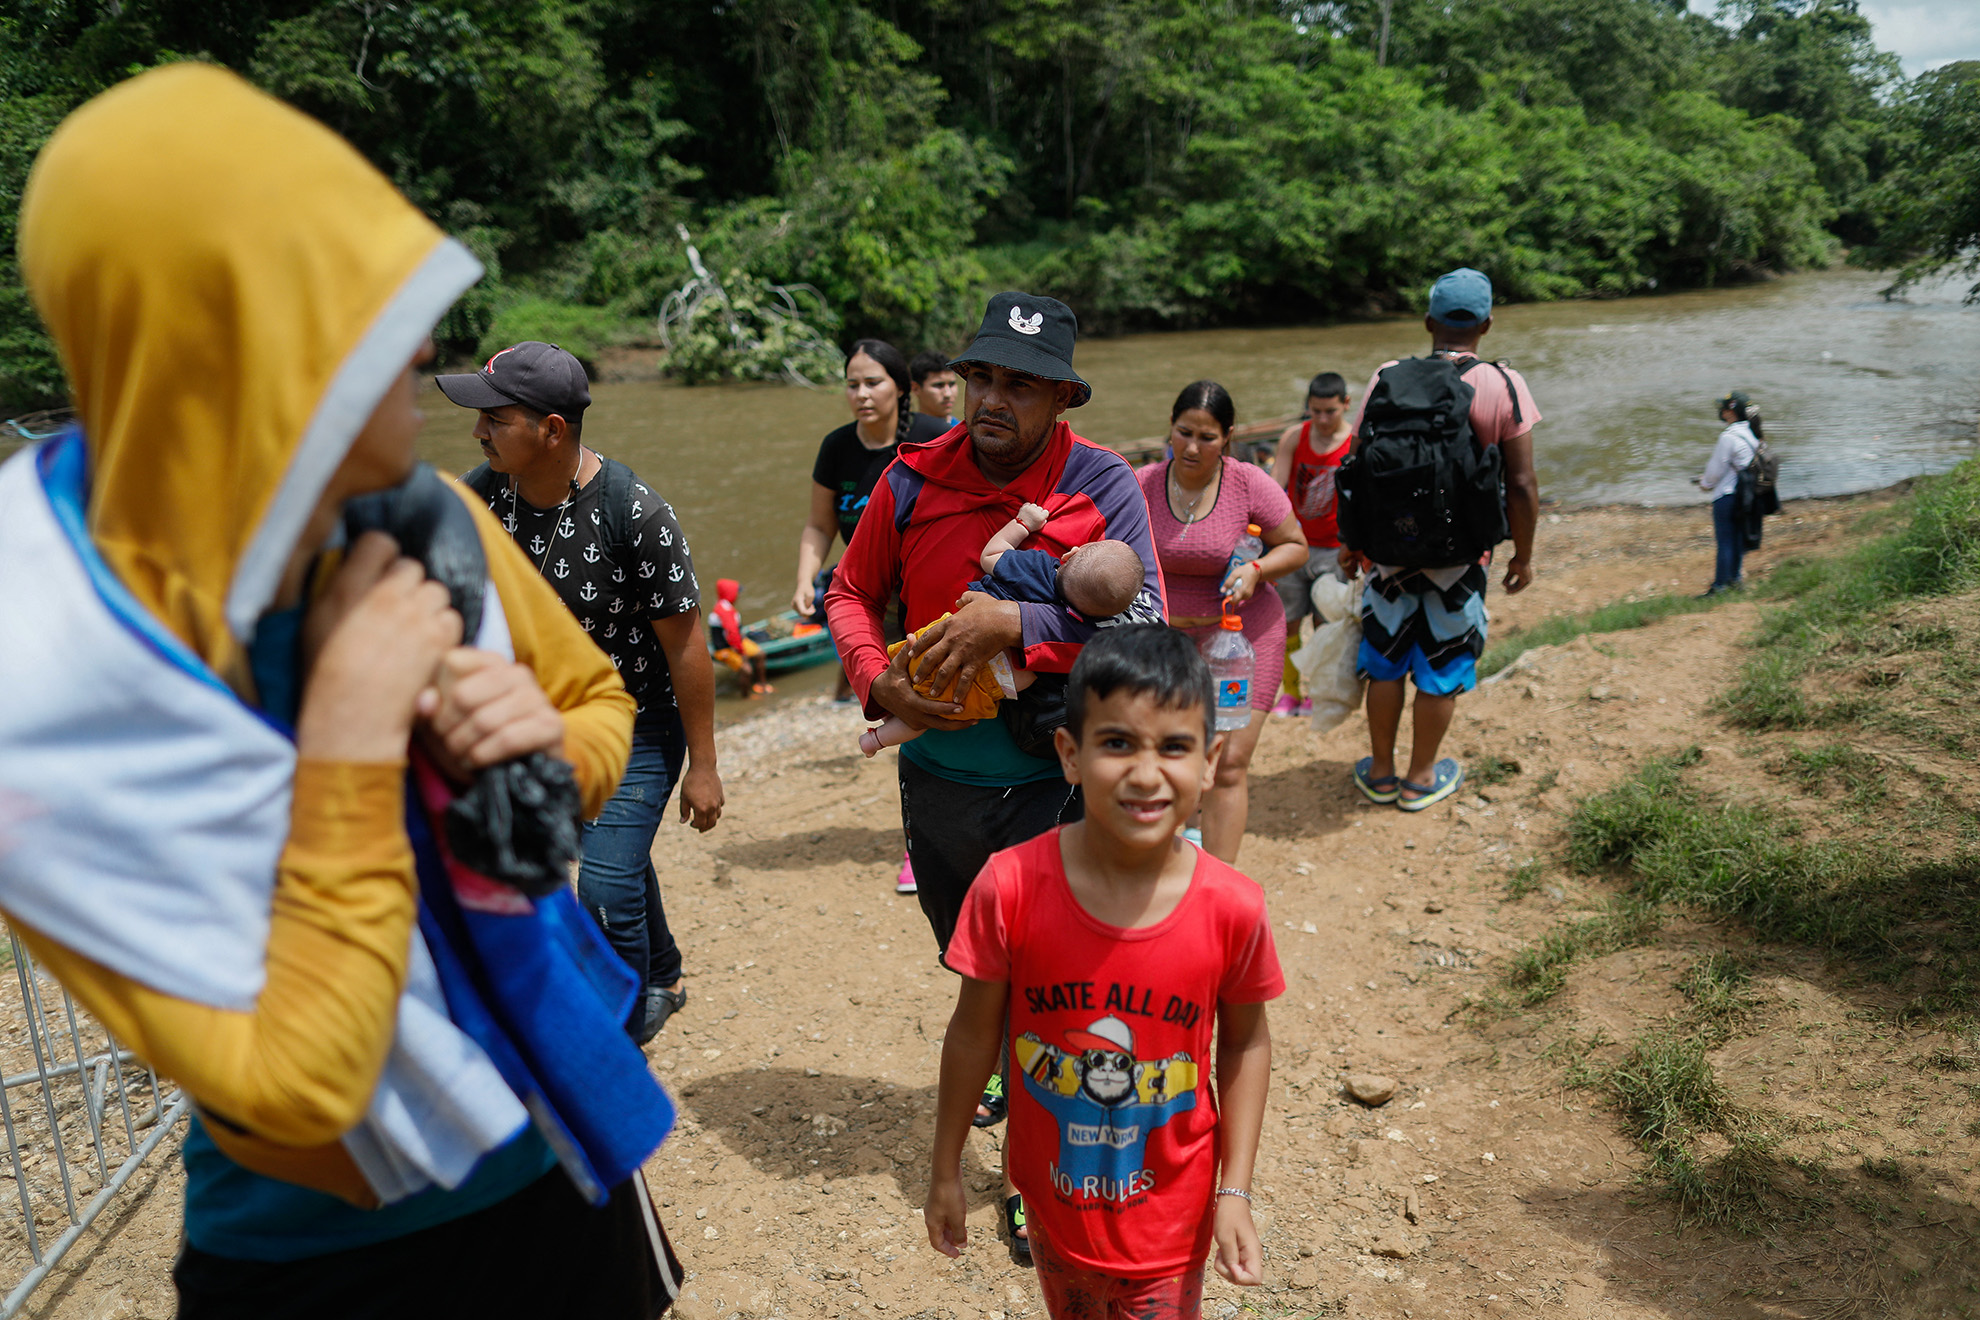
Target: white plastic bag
column 1326, row 662
column 1335, row 599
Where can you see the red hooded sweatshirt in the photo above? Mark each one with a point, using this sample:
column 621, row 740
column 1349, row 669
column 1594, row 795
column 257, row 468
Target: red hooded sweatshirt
column 727, row 618
column 922, row 536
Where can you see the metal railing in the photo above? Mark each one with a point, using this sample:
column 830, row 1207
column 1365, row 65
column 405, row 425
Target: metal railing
column 79, row 1121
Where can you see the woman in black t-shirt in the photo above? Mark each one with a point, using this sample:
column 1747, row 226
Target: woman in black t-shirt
column 849, row 465
column 851, row 459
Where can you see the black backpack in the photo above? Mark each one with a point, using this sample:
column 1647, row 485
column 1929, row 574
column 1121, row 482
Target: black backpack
column 1765, row 472
column 1757, row 492
column 1419, row 490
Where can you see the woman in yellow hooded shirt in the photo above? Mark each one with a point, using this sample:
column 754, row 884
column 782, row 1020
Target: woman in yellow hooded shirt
column 239, row 300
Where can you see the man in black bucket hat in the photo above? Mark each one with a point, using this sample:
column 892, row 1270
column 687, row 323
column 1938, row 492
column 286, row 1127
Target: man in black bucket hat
column 968, row 789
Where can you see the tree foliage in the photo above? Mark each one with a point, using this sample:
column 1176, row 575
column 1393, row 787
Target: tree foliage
column 1155, row 162
column 1929, row 203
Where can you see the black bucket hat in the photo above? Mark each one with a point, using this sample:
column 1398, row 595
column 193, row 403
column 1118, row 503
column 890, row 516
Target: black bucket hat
column 1031, row 334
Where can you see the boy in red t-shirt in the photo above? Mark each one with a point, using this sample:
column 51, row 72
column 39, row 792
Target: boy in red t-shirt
column 1310, row 452
column 1115, row 948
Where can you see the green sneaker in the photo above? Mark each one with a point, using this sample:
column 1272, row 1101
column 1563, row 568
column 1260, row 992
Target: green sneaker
column 994, row 1101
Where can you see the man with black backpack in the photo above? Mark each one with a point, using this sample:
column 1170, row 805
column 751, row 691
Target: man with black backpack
column 1440, row 472
column 613, row 552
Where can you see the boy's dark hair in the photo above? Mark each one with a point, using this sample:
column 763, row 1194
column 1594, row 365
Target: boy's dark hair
column 926, row 363
column 1327, row 385
column 1149, row 658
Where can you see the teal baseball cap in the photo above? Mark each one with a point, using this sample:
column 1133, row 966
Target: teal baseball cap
column 1462, row 298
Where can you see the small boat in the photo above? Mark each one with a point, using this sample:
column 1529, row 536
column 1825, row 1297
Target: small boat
column 790, row 641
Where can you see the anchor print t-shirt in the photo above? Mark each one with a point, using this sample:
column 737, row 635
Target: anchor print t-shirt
column 1113, row 1122
column 615, row 591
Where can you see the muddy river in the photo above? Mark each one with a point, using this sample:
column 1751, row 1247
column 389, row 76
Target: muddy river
column 1857, row 393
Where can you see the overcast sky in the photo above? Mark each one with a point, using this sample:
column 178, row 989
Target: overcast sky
column 1923, row 33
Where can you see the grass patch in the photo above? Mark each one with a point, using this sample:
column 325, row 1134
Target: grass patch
column 1666, row 1091
column 1838, row 608
column 1885, row 1170
column 1620, row 617
column 1889, row 913
column 1717, row 988
column 584, row 332
column 1817, row 767
column 1716, row 1160
column 1525, row 878
column 1489, row 770
column 1539, row 971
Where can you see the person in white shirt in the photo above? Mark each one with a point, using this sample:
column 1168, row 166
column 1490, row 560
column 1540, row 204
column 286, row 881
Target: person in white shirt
column 1730, row 456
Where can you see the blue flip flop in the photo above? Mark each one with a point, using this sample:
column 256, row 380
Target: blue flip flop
column 1444, row 780
column 1380, row 791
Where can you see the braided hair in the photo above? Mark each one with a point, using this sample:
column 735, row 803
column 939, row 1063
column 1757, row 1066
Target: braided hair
column 895, row 365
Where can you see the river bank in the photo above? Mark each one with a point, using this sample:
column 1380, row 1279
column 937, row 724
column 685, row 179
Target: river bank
column 805, row 1061
column 1858, row 392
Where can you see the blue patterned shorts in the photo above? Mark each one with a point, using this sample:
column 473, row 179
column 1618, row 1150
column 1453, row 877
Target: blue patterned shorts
column 1434, row 634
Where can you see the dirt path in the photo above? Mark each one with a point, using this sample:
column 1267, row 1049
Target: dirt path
column 805, row 1061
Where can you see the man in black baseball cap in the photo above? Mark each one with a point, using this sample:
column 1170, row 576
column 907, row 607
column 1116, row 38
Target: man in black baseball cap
column 610, row 548
column 541, row 377
column 969, row 789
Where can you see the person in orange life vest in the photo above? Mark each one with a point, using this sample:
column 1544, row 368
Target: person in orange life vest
column 1310, row 452
column 735, row 648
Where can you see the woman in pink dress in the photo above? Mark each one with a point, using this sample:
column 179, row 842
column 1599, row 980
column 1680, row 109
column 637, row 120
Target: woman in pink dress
column 1199, row 502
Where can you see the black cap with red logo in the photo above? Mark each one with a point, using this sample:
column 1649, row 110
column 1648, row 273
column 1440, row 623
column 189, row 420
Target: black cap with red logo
column 540, row 377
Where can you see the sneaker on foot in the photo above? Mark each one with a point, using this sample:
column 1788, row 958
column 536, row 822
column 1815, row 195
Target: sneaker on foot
column 904, row 878
column 1303, row 708
column 1285, row 705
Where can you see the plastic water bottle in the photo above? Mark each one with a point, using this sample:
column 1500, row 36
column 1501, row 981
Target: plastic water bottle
column 1250, row 546
column 1232, row 665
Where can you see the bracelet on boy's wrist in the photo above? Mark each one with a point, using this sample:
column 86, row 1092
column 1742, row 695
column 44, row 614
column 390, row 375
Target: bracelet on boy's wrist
column 1234, row 1191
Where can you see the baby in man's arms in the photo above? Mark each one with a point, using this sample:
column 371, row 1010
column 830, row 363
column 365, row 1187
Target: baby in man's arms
column 1099, row 579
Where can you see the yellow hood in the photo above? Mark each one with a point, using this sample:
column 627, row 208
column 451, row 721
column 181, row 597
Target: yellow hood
column 232, row 289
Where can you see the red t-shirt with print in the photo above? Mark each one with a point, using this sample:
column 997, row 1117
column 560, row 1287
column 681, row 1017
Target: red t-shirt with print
column 1113, row 1123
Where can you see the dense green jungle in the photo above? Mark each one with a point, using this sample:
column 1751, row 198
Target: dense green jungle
column 853, row 167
